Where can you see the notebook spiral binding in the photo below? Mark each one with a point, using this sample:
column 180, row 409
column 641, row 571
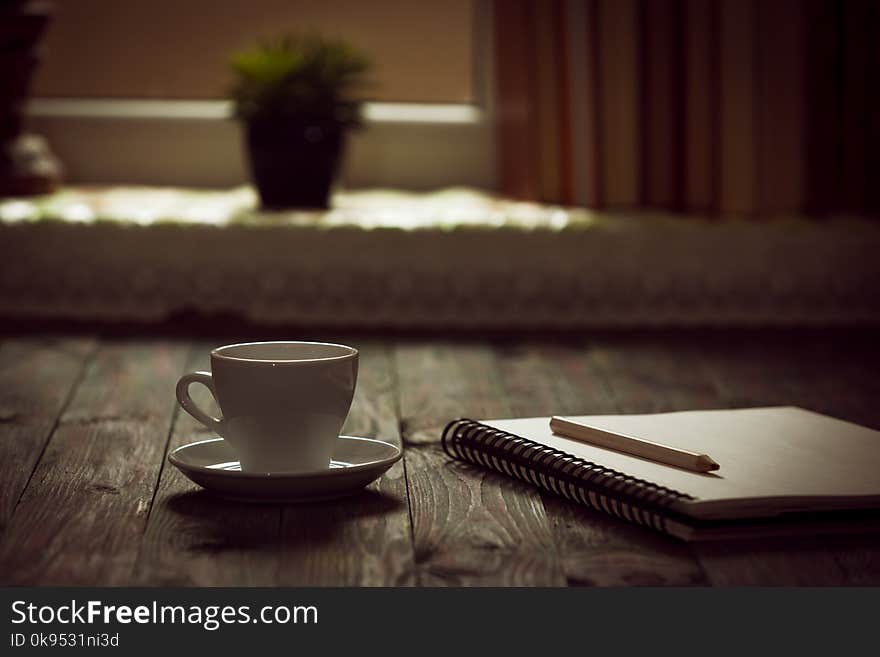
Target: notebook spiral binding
column 585, row 482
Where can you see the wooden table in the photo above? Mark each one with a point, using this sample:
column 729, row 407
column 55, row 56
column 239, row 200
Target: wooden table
column 88, row 498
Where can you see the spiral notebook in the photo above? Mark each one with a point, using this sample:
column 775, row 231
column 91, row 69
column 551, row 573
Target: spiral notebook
column 784, row 470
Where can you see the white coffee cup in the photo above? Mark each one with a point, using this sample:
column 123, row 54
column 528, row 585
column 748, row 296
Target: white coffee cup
column 283, row 404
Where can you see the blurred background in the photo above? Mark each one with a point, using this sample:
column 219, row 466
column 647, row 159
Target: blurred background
column 159, row 78
column 626, row 162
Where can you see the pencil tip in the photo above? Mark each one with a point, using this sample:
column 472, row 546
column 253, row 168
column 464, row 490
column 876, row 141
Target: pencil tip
column 709, row 463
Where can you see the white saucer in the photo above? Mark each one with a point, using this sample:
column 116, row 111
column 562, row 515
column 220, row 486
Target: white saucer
column 356, row 462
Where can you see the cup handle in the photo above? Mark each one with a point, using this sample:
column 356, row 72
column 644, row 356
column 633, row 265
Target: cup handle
column 186, row 402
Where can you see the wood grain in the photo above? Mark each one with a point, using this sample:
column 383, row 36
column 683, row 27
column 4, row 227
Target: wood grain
column 441, row 381
column 663, row 373
column 655, row 374
column 842, row 382
column 597, row 550
column 82, row 515
column 765, row 373
column 37, row 377
column 87, row 514
column 778, row 562
column 195, row 539
column 364, row 540
column 820, row 372
column 470, row 526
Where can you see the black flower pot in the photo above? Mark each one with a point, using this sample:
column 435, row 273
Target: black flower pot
column 293, row 164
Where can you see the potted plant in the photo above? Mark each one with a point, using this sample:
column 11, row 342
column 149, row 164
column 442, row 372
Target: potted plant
column 297, row 99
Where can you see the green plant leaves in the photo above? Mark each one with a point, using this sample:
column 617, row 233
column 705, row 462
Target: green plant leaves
column 306, row 78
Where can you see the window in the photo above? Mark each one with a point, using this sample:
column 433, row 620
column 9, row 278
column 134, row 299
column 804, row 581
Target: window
column 422, row 51
column 152, row 76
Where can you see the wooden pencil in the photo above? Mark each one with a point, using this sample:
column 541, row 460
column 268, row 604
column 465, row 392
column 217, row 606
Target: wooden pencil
column 631, row 445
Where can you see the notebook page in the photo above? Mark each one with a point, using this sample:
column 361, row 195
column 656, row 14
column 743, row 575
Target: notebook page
column 779, row 452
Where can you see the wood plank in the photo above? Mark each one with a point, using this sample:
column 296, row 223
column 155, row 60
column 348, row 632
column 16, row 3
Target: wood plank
column 660, row 373
column 37, row 377
column 195, row 539
column 776, row 562
column 828, row 373
column 470, row 526
column 771, row 370
column 655, row 374
column 81, row 518
column 859, row 558
column 83, row 515
column 597, row 549
column 837, row 376
column 840, row 378
column 365, row 540
column 443, row 381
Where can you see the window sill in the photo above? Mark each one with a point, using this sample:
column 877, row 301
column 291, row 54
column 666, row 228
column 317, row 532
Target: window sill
column 197, row 144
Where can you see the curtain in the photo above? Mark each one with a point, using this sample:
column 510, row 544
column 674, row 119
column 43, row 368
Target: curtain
column 718, row 107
